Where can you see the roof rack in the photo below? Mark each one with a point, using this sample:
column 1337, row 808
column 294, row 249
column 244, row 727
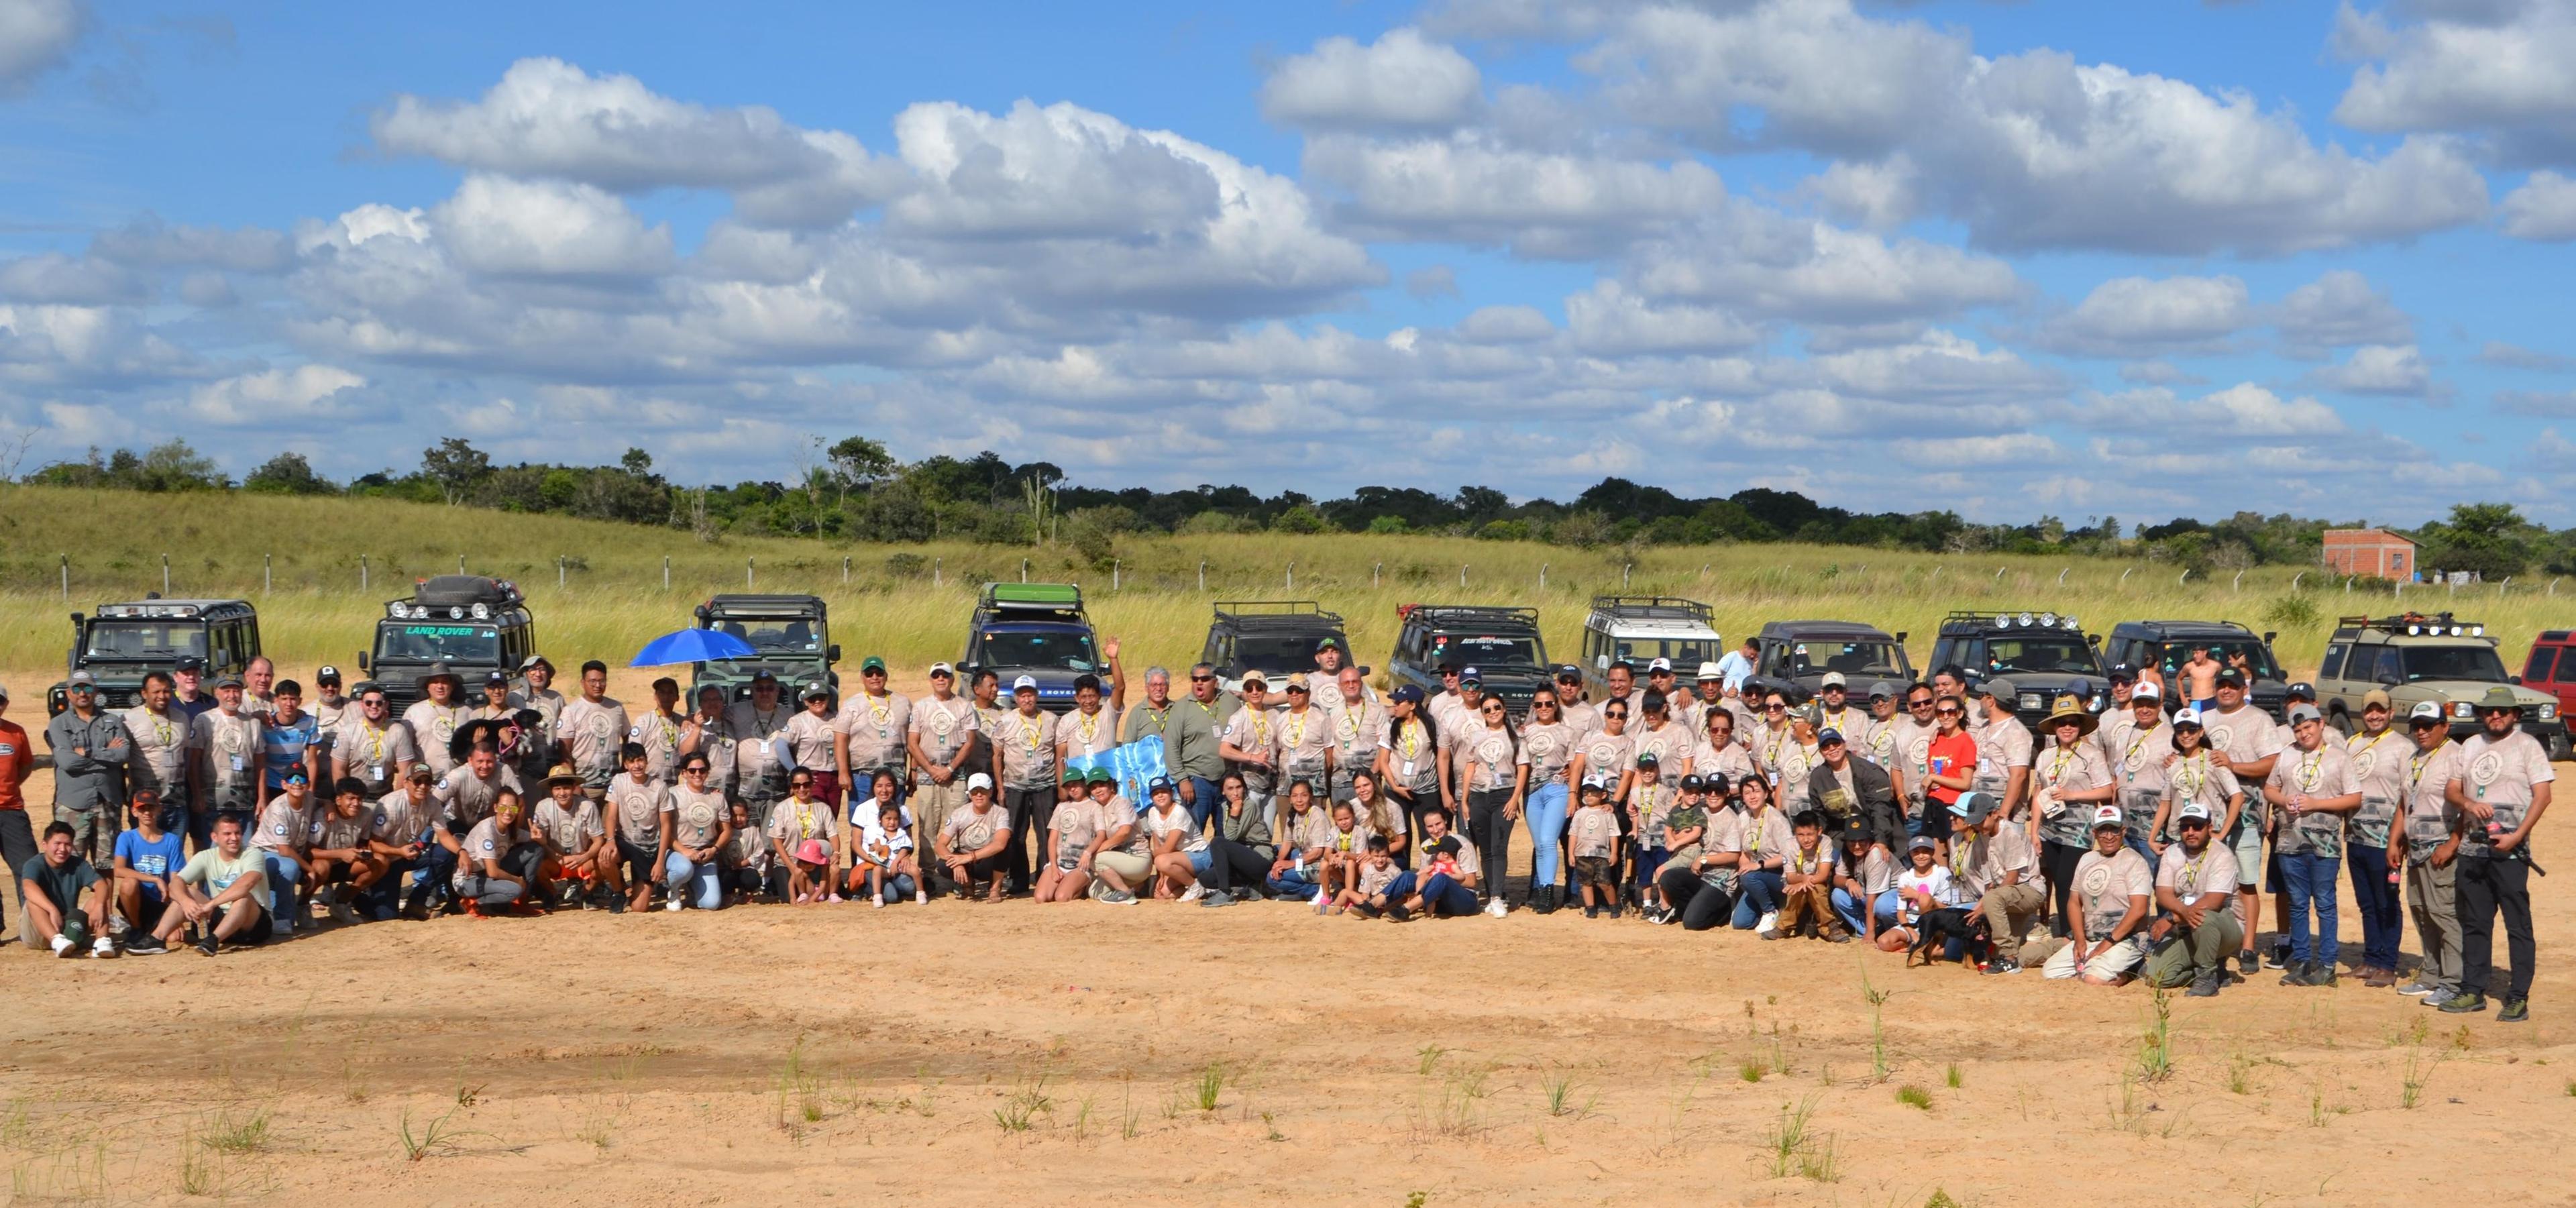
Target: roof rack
column 1669, row 607
column 2416, row 624
column 456, row 597
column 169, row 609
column 1468, row 612
column 2013, row 618
column 1280, row 613
column 1045, row 597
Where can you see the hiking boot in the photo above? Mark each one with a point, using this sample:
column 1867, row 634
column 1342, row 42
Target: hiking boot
column 2296, row 973
column 1369, row 911
column 2279, row 957
column 2246, row 960
column 2002, row 965
column 1397, row 913
column 2464, row 1003
column 1216, row 897
column 2320, row 973
column 2516, row 1010
column 1592, row 912
column 2205, row 985
column 207, row 943
column 2379, row 979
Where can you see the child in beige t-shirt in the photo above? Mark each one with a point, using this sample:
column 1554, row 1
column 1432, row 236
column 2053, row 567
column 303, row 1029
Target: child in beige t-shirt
column 1377, row 870
column 1593, row 836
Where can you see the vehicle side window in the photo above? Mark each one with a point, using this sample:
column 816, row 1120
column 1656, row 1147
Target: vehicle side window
column 2388, row 667
column 2536, row 671
column 219, row 649
column 2332, row 667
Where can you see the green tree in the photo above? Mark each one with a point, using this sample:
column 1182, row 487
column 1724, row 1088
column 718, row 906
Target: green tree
column 1300, row 519
column 288, row 474
column 455, row 466
column 2491, row 539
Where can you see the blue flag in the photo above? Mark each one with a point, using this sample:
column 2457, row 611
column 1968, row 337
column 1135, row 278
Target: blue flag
column 1136, row 764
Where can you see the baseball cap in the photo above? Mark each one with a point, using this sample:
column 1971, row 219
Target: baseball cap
column 979, row 781
column 419, row 771
column 500, row 678
column 1471, row 676
column 1974, row 806
column 2302, row 689
column 1709, row 671
column 1297, row 681
column 2377, row 696
column 1159, row 784
column 1998, row 688
column 2123, row 674
column 1595, row 784
column 2424, row 711
column 2109, row 815
column 2304, row 712
column 1646, row 759
column 1882, row 690
column 1028, row 682
column 2232, row 676
column 1920, row 843
column 1254, row 677
column 189, row 663
column 1410, row 694
column 293, row 774
column 1569, row 674
column 1828, row 736
column 764, row 674
column 940, row 669
column 2191, row 811
column 1660, row 664
column 1103, row 776
column 229, row 681
column 1693, row 784
column 1074, row 775
column 1327, row 643
column 1834, row 679
column 871, row 663
column 2146, row 691
column 327, row 674
column 81, row 679
column 816, row 690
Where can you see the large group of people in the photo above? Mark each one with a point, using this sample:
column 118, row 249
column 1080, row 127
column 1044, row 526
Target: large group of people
column 1926, row 817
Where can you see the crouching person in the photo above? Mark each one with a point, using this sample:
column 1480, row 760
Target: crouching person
column 2195, row 885
column 2109, row 907
column 578, row 852
column 499, row 862
column 50, row 888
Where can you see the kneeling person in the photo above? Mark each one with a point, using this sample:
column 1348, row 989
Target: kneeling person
column 2195, row 886
column 576, row 843
column 50, row 888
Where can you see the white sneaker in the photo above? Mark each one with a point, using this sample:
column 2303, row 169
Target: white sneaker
column 1194, row 892
column 921, row 897
column 1496, row 909
column 880, row 902
column 1769, row 923
column 836, row 897
column 62, row 947
column 672, row 905
column 104, row 949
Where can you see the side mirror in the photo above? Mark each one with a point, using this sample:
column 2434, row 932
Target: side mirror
column 1901, row 635
column 1364, row 673
column 2514, row 680
column 362, row 660
column 699, row 612
column 832, row 653
column 77, row 618
column 2094, row 640
column 2270, row 634
column 2388, row 678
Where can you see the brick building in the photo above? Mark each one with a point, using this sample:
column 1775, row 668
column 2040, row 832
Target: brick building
column 2374, row 552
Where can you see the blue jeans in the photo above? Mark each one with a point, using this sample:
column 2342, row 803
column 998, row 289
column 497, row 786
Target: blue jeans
column 2309, row 879
column 1757, row 893
column 1203, row 800
column 1440, row 895
column 689, row 881
column 283, row 877
column 1884, row 906
column 2382, row 908
column 1544, row 809
column 429, row 875
column 1299, row 884
column 2138, row 843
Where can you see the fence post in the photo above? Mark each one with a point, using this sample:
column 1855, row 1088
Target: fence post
column 747, row 569
column 1936, row 572
column 1376, row 569
column 1202, row 576
column 1462, row 575
column 267, row 573
column 165, row 574
column 935, row 565
column 2237, row 583
column 2508, row 581
column 1024, row 570
column 2178, row 579
column 362, row 572
column 559, row 572
column 67, row 578
column 460, row 564
column 845, row 570
column 1292, row 576
column 2061, row 575
column 2126, row 572
column 1114, row 566
column 1999, row 573
column 1624, row 568
column 666, row 572
column 2294, row 580
column 1542, row 576
column 2553, row 585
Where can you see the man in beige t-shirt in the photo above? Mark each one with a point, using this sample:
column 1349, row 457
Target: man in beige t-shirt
column 592, row 727
column 2502, row 786
column 940, row 740
column 873, row 733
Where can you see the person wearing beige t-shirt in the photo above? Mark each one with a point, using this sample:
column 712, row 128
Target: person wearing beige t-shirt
column 2501, row 787
column 2195, row 887
column 592, row 727
column 940, row 740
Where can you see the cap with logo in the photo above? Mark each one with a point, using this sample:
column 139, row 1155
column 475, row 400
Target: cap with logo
column 1829, row 737
column 328, row 674
column 1974, row 807
column 871, row 663
column 189, row 663
column 1471, row 676
column 1159, row 785
column 1834, row 679
column 2301, row 691
column 1103, row 776
column 1882, row 690
column 979, row 781
column 1297, row 682
column 818, row 690
column 81, row 679
column 2146, row 690
column 1659, row 664
column 229, row 681
column 2109, row 815
column 2425, row 712
column 2376, row 698
column 2187, row 716
column 1409, row 694
column 2124, row 674
column 1693, row 784
column 2192, row 811
column 497, row 679
column 1025, row 681
column 2304, row 712
column 419, row 771
column 1254, row 677
column 1920, row 843
column 940, row 669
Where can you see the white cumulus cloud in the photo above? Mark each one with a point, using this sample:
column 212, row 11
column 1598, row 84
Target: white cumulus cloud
column 1401, row 80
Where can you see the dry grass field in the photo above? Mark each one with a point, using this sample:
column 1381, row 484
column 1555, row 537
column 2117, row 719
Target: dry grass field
column 1021, row 1054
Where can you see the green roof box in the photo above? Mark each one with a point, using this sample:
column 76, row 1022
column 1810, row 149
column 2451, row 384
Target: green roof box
column 1033, row 595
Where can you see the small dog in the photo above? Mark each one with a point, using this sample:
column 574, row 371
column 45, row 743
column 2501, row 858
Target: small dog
column 1935, row 929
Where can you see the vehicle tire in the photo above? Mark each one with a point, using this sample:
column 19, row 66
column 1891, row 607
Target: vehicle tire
column 2342, row 722
column 2561, row 749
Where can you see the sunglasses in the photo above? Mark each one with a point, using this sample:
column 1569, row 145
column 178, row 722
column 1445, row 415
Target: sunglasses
column 1775, row 707
column 1493, row 708
column 1615, row 714
column 1924, row 703
column 1945, row 712
column 1202, row 679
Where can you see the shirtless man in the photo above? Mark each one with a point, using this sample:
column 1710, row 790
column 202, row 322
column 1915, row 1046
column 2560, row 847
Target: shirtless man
column 2200, row 679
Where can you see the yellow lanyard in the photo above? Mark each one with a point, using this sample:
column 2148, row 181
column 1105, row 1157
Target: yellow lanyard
column 1296, row 735
column 2415, row 769
column 880, row 711
column 2135, row 744
column 1802, row 862
column 1959, row 850
column 2193, row 774
column 1412, row 731
column 1090, row 726
column 1260, row 729
column 1029, row 732
column 161, row 729
column 2309, row 773
column 2057, row 770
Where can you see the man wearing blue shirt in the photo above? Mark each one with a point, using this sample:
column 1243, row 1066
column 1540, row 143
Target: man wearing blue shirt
column 1737, row 666
column 147, row 860
column 287, row 741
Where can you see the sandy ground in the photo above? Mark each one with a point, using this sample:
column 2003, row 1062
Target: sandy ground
column 1258, row 1054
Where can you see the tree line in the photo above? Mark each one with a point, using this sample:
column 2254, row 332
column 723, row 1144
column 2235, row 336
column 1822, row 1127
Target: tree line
column 855, row 490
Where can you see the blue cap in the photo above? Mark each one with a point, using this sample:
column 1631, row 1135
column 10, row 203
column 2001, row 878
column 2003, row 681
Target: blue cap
column 1828, row 736
column 1471, row 674
column 2305, row 689
column 1410, row 694
column 1159, row 784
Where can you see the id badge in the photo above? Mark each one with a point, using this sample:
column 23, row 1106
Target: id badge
column 376, row 772
column 1407, row 771
column 237, row 763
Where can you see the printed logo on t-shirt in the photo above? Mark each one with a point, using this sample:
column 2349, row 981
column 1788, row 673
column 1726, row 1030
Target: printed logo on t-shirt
column 2486, row 767
column 278, row 829
column 487, row 845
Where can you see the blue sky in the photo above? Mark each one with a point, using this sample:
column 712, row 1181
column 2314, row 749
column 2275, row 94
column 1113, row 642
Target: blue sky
column 2076, row 259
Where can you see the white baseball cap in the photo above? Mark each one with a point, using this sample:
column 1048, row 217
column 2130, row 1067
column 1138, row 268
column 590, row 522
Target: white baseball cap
column 1025, row 681
column 979, row 781
column 942, row 669
column 2192, row 810
column 2187, row 716
column 1660, row 665
column 2146, row 690
column 2109, row 815
column 2424, row 710
column 1834, row 679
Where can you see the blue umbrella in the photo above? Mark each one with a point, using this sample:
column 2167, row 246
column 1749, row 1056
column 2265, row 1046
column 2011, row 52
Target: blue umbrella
column 692, row 646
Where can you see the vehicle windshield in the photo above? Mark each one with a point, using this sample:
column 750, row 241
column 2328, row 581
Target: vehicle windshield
column 1686, row 653
column 1274, row 653
column 1064, row 651
column 143, row 641
column 421, row 642
column 775, row 636
column 1483, row 650
column 2256, row 657
column 2478, row 663
column 2040, row 656
column 1857, row 658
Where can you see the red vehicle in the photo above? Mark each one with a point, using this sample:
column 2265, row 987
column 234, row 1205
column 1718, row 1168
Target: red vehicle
column 2551, row 668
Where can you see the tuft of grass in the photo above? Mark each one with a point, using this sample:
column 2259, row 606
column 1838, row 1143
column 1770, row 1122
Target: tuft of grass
column 1210, row 1085
column 1028, row 1101
column 2240, row 1073
column 1952, row 1078
column 1940, row 1199
column 1751, row 1069
column 437, row 1137
column 799, row 1087
column 1915, row 1097
column 201, row 1168
column 1560, row 1087
column 237, row 1135
column 2155, row 1046
column 1795, row 1148
column 1877, row 1000
column 1430, row 1055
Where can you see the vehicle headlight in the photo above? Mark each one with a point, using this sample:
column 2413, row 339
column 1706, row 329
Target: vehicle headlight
column 2032, row 700
column 2461, row 708
column 482, row 612
column 2048, row 620
column 2071, row 624
column 394, row 610
column 454, row 613
column 2548, row 712
column 2025, row 618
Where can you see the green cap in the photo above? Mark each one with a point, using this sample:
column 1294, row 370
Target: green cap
column 1103, row 776
column 871, row 663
